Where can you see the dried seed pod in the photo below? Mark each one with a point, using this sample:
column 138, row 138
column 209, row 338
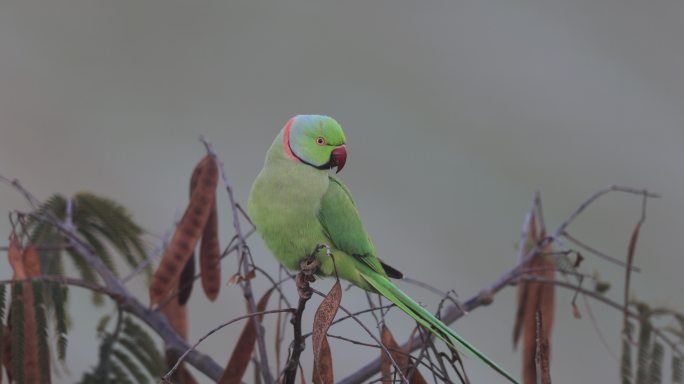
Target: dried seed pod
column 31, row 368
column 210, row 253
column 15, row 259
column 31, row 261
column 187, row 233
column 210, row 256
column 177, row 314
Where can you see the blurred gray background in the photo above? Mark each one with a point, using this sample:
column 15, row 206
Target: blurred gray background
column 455, row 112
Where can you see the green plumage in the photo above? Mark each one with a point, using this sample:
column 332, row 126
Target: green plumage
column 296, row 205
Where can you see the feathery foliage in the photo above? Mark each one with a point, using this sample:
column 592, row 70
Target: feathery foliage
column 17, row 324
column 42, row 329
column 58, row 295
column 102, row 222
column 650, row 351
column 626, row 362
column 644, row 344
column 677, row 374
column 127, row 355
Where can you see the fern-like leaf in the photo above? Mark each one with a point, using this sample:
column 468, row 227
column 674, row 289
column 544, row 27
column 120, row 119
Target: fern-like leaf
column 42, row 330
column 119, row 374
column 86, row 273
column 17, row 323
column 57, row 292
column 115, row 224
column 131, row 366
column 656, row 368
column 139, row 343
column 677, row 371
column 99, row 248
column 644, row 347
column 626, row 361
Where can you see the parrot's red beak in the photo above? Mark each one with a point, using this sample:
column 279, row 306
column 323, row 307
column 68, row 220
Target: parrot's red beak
column 338, row 157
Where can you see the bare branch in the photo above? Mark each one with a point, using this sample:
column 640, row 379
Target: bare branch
column 167, row 377
column 245, row 283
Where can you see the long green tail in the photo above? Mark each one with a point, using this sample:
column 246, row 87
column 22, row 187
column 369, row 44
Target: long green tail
column 386, row 288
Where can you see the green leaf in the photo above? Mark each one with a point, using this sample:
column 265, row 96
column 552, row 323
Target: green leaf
column 656, row 368
column 144, row 341
column 626, row 361
column 42, row 330
column 677, row 374
column 59, row 306
column 17, row 322
column 644, row 351
column 119, row 375
column 131, row 366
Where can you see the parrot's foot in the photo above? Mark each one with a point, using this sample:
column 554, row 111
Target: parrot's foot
column 307, row 268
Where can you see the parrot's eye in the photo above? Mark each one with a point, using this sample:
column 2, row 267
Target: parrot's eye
column 320, row 141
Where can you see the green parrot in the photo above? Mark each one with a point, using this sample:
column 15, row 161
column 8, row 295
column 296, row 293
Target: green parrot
column 296, row 205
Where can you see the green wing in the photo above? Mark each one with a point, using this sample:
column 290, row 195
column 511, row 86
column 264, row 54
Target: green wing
column 342, row 224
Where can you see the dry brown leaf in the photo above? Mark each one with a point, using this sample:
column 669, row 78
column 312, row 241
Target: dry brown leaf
column 187, row 233
column 323, row 371
column 242, row 353
column 533, row 297
column 235, row 279
column 400, row 357
column 250, row 275
column 210, row 256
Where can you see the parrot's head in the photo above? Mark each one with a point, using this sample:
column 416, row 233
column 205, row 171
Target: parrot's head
column 315, row 140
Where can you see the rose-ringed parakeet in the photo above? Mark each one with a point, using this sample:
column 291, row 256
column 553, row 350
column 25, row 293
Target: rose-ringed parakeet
column 296, row 205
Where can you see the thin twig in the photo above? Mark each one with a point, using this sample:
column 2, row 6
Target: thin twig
column 245, row 283
column 598, row 253
column 166, row 378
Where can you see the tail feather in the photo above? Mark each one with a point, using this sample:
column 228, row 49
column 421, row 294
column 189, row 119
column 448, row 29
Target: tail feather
column 386, row 288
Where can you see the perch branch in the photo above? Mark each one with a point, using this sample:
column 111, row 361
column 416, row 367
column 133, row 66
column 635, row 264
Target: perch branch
column 485, row 297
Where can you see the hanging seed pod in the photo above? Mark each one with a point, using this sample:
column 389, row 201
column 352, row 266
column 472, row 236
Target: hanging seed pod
column 210, row 256
column 187, row 233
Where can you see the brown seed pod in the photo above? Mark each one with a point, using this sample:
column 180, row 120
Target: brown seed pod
column 15, row 259
column 210, row 256
column 31, row 369
column 31, row 261
column 177, row 314
column 187, row 233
